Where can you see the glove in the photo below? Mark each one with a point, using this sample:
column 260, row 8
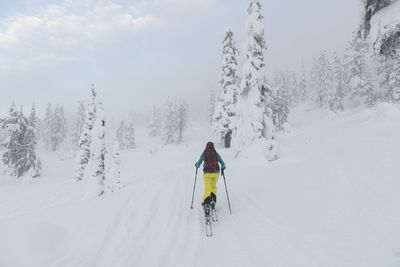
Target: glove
column 223, row 168
column 196, row 165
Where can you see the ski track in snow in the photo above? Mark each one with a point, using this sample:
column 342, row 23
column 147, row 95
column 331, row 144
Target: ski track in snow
column 330, row 200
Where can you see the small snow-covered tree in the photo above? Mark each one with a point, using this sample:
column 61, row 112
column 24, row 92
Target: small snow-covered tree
column 58, row 128
column 12, row 143
column 96, row 169
column 303, row 86
column 78, row 124
column 20, row 155
column 33, row 123
column 155, row 124
column 292, row 88
column 212, row 101
column 37, row 169
column 129, row 135
column 47, row 127
column 336, row 103
column 280, row 101
column 383, row 69
column 325, row 91
column 394, row 79
column 360, row 79
column 174, row 122
column 120, row 135
column 115, row 173
column 170, row 123
column 224, row 117
column 182, row 119
column 32, row 117
column 313, row 84
column 83, row 156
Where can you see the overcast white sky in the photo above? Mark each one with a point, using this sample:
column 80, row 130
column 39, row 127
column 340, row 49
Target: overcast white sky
column 138, row 52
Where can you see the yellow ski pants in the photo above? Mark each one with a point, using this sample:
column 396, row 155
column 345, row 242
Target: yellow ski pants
column 210, row 182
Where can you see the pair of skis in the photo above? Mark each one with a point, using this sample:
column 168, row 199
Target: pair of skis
column 210, row 215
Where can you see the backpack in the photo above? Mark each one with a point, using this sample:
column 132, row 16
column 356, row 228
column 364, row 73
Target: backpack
column 211, row 159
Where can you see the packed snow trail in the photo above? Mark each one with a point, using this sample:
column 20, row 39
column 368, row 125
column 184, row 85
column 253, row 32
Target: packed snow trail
column 330, row 200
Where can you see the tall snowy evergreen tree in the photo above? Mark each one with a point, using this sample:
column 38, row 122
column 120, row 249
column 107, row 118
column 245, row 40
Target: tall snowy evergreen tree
column 394, row 79
column 96, row 174
column 255, row 120
column 360, row 79
column 83, row 156
column 58, row 128
column 129, row 135
column 224, row 118
column 78, row 124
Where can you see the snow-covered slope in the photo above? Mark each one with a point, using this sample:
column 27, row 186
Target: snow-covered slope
column 331, row 200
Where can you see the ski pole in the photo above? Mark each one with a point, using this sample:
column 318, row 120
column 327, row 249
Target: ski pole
column 226, row 189
column 194, row 187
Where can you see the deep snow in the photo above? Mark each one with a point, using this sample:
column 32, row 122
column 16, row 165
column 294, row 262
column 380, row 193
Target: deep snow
column 330, row 200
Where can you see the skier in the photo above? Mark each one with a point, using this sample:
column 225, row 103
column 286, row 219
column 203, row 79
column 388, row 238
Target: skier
column 211, row 171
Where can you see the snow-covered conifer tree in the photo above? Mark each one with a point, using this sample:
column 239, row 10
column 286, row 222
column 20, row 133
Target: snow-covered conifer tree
column 171, row 123
column 224, row 117
column 115, row 173
column 254, row 118
column 33, row 117
column 303, row 86
column 20, row 146
column 58, row 128
column 78, row 124
column 155, row 124
column 33, row 123
column 120, row 135
column 83, row 156
column 336, row 104
column 280, row 101
column 129, row 135
column 325, row 91
column 96, row 174
column 37, row 169
column 213, row 96
column 383, row 69
column 292, row 88
column 313, row 84
column 47, row 127
column 182, row 119
column 360, row 79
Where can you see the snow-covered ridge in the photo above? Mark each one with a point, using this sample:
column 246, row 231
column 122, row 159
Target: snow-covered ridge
column 385, row 23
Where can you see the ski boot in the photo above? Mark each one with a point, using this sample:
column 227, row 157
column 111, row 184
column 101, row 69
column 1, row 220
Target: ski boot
column 213, row 201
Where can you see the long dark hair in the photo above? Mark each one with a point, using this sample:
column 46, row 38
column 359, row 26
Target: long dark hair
column 210, row 146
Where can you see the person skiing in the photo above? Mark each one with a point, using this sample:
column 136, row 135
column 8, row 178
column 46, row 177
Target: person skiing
column 211, row 171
